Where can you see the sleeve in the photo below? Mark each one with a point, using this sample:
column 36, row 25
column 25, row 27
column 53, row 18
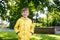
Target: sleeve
column 16, row 27
column 31, row 28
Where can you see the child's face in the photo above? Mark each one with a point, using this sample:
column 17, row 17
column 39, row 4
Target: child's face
column 25, row 13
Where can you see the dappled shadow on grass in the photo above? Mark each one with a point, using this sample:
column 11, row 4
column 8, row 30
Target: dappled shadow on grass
column 45, row 37
column 12, row 36
column 1, row 38
column 4, row 35
column 12, row 39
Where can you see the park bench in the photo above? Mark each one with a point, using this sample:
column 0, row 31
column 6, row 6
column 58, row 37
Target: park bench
column 47, row 30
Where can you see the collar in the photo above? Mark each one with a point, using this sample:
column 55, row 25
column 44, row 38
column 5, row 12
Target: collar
column 24, row 18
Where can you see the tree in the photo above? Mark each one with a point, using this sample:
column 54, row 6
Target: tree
column 11, row 9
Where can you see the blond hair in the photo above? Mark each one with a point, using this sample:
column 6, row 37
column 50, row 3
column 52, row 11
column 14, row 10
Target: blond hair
column 25, row 9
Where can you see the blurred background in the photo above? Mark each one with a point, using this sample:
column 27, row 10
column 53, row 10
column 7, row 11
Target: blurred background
column 48, row 12
column 44, row 13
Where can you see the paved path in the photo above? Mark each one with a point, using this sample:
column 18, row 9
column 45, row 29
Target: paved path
column 6, row 29
column 57, row 30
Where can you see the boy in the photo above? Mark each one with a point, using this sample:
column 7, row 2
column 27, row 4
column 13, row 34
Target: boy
column 24, row 28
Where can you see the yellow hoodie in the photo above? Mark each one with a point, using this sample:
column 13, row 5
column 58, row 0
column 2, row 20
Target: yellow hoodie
column 25, row 28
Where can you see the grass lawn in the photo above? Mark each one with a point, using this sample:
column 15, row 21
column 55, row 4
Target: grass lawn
column 10, row 35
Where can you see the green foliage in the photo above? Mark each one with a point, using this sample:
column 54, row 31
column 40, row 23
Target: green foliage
column 15, row 7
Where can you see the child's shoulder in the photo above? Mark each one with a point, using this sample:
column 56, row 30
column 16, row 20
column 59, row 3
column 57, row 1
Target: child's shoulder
column 19, row 19
column 30, row 20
